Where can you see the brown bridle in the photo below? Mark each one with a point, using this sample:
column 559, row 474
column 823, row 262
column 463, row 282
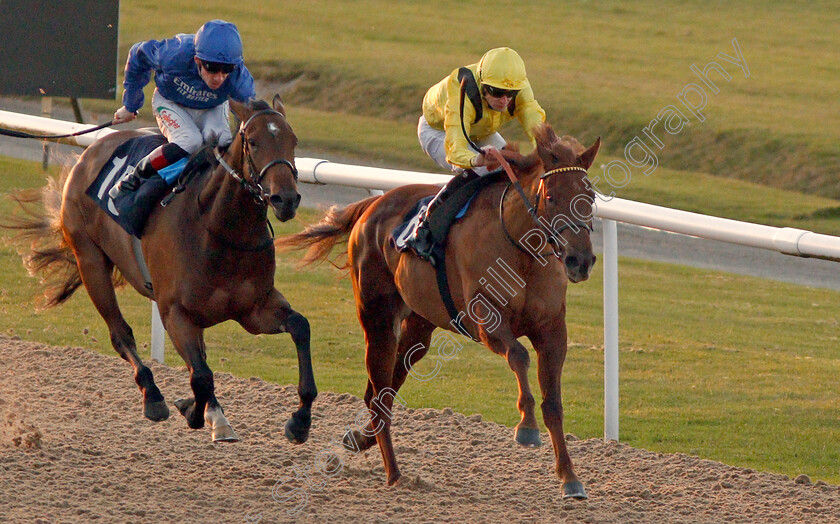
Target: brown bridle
column 552, row 236
column 253, row 183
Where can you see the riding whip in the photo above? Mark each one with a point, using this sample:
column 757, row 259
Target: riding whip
column 498, row 156
column 21, row 134
column 532, row 211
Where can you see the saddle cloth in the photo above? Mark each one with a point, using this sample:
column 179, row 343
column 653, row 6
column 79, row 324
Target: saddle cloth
column 453, row 209
column 409, row 224
column 130, row 209
column 412, row 220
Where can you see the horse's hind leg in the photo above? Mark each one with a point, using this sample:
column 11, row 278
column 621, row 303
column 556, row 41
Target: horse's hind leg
column 415, row 335
column 188, row 339
column 95, row 269
column 277, row 316
column 377, row 318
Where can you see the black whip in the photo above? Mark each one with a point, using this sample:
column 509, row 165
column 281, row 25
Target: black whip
column 504, row 164
column 21, row 134
column 463, row 128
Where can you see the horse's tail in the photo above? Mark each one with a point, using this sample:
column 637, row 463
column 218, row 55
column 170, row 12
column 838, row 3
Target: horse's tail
column 320, row 238
column 41, row 243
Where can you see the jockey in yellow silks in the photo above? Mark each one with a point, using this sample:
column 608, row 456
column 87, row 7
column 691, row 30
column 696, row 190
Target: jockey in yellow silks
column 497, row 91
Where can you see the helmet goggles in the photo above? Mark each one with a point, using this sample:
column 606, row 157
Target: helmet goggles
column 217, row 67
column 497, row 92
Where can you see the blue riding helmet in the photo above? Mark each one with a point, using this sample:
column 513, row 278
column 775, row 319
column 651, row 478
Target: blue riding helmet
column 218, row 41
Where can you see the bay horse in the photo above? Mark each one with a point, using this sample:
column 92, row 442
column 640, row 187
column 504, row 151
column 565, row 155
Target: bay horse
column 399, row 306
column 210, row 255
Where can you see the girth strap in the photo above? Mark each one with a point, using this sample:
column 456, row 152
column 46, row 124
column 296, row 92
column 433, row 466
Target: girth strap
column 440, row 223
column 438, row 261
column 141, row 262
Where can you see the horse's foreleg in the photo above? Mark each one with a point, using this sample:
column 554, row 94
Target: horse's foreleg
column 297, row 428
column 551, row 353
column 95, row 270
column 277, row 316
column 188, row 339
column 502, row 341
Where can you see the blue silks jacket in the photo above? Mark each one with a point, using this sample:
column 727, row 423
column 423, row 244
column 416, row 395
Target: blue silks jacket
column 177, row 77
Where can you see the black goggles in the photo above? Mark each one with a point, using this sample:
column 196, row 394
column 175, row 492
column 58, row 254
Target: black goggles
column 499, row 93
column 217, row 67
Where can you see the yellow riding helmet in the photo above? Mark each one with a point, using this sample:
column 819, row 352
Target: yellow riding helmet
column 503, row 68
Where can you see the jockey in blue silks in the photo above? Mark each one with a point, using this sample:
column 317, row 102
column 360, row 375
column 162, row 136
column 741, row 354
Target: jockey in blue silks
column 194, row 77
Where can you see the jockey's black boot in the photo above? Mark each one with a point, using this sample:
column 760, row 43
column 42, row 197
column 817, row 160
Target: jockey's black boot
column 422, row 241
column 142, row 171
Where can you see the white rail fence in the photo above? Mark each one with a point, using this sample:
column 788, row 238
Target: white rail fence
column 785, row 240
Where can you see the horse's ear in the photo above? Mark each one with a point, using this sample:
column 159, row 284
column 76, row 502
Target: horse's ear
column 240, row 110
column 277, row 103
column 545, row 136
column 587, row 158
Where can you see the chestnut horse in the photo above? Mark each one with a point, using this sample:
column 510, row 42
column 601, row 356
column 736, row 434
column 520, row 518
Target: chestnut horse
column 399, row 306
column 210, row 255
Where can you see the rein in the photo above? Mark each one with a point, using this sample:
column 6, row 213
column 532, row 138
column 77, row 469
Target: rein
column 532, row 209
column 252, row 184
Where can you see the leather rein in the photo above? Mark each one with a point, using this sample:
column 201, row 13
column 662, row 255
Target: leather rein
column 553, row 236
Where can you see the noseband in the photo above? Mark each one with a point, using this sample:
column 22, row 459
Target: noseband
column 253, row 183
column 556, row 247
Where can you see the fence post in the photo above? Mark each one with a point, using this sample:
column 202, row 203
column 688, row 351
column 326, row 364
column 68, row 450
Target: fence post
column 610, row 329
column 157, row 334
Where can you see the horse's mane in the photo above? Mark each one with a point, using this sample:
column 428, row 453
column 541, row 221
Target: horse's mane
column 257, row 105
column 565, row 149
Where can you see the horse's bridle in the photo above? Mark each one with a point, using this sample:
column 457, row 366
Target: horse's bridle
column 552, row 235
column 253, row 183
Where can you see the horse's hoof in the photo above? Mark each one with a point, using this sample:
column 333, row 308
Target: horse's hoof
column 352, row 441
column 395, row 480
column 528, row 437
column 224, row 434
column 296, row 432
column 184, row 404
column 349, row 441
column 574, row 490
column 156, row 411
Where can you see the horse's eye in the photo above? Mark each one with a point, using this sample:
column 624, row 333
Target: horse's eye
column 252, row 142
column 549, row 198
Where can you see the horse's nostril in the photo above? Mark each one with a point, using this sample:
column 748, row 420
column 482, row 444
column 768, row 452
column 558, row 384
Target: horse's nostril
column 572, row 262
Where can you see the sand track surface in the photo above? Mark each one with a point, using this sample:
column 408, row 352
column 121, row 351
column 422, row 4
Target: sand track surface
column 74, row 447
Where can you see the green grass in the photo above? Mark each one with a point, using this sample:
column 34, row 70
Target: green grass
column 730, row 368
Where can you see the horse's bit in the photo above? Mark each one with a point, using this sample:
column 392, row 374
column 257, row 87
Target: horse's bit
column 253, row 183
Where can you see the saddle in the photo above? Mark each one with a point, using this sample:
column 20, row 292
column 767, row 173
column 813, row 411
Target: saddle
column 452, row 209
